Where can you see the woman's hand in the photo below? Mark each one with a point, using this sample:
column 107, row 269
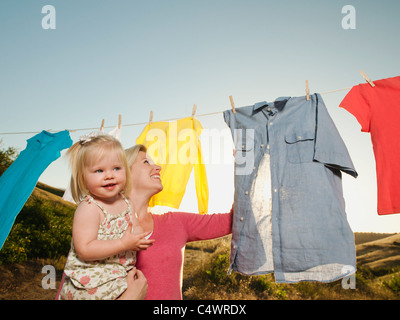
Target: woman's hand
column 137, row 286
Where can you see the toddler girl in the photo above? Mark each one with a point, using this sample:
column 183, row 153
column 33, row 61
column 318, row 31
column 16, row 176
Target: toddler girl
column 103, row 244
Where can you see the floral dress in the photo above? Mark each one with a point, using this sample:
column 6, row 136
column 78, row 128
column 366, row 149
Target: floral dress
column 100, row 279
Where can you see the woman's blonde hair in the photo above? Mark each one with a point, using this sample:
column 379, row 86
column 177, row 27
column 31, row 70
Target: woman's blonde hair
column 85, row 152
column 132, row 153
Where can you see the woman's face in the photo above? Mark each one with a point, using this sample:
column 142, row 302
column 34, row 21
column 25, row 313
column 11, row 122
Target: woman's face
column 146, row 174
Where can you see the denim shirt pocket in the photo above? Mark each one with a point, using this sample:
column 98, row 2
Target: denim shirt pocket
column 300, row 146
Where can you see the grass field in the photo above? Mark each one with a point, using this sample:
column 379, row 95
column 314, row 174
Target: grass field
column 377, row 276
column 41, row 236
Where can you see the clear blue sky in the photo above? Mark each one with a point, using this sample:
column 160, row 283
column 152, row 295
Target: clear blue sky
column 129, row 57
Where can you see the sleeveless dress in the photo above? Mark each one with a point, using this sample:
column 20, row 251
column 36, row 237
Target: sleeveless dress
column 100, row 279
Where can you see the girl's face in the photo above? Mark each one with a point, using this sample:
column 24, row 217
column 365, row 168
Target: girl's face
column 145, row 174
column 105, row 178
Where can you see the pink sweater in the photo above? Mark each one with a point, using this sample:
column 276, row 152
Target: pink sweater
column 162, row 264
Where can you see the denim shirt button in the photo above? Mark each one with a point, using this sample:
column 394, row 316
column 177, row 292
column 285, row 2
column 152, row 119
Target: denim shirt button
column 246, row 192
column 241, row 219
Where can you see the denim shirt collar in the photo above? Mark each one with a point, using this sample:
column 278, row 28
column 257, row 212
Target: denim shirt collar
column 275, row 106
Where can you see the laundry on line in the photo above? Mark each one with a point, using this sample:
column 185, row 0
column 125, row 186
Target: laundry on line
column 140, row 123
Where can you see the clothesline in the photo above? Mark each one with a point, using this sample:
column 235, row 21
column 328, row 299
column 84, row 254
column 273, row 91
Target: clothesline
column 141, row 123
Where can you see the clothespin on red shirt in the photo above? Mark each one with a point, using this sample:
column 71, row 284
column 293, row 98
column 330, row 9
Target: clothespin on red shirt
column 367, row 79
column 194, row 110
column 232, row 104
column 307, row 91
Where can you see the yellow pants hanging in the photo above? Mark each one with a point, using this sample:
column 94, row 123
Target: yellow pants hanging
column 175, row 147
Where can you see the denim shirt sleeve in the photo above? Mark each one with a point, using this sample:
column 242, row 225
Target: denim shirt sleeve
column 329, row 147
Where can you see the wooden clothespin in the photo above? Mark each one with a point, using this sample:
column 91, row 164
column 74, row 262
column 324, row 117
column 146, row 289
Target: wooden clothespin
column 119, row 121
column 367, row 79
column 102, row 126
column 194, row 110
column 151, row 117
column 232, row 104
column 307, row 91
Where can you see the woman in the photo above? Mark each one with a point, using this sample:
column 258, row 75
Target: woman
column 162, row 264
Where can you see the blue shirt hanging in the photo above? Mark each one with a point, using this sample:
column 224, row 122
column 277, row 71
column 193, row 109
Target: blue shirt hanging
column 19, row 180
column 289, row 211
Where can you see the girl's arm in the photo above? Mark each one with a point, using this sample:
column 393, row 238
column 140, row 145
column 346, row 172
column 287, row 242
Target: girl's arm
column 84, row 234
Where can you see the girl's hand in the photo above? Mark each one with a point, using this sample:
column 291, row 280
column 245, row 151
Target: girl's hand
column 136, row 242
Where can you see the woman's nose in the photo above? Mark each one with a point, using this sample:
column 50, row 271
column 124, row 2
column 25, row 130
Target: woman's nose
column 158, row 168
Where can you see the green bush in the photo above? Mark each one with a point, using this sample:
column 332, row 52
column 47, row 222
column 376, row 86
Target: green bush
column 260, row 286
column 217, row 269
column 42, row 229
column 393, row 284
column 7, row 156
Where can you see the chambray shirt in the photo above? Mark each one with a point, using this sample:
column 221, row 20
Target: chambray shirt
column 289, row 210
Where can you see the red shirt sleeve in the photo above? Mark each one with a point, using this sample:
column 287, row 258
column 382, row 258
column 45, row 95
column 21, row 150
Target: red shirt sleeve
column 358, row 103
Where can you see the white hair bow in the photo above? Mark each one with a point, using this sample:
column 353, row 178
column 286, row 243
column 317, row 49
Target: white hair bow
column 87, row 137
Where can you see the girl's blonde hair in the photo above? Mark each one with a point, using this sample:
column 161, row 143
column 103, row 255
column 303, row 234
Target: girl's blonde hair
column 132, row 153
column 85, row 152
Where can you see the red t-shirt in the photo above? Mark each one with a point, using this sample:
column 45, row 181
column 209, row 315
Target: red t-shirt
column 377, row 109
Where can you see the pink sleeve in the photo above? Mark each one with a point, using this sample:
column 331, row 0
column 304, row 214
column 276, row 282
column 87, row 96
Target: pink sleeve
column 61, row 284
column 206, row 226
column 358, row 103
